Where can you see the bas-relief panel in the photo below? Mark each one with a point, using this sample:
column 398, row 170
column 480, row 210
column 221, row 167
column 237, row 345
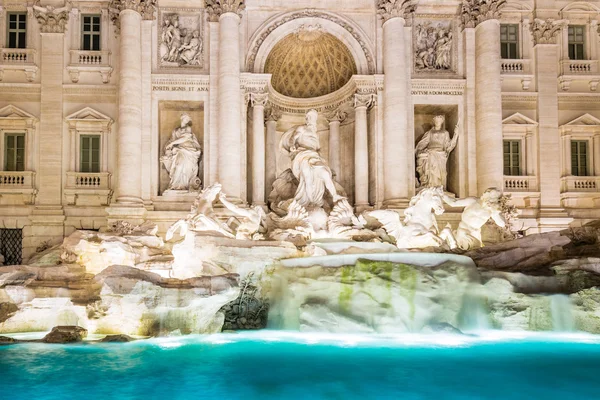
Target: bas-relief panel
column 434, row 46
column 180, row 39
column 169, row 114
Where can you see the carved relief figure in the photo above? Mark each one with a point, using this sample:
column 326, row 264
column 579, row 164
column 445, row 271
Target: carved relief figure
column 182, row 156
column 180, row 42
column 433, row 46
column 432, row 153
column 308, row 167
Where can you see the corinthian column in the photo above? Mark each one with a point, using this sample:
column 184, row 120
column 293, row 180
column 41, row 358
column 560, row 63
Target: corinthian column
column 397, row 151
column 273, row 115
column 127, row 15
column 335, row 120
column 488, row 89
column 228, row 14
column 258, row 101
column 361, row 151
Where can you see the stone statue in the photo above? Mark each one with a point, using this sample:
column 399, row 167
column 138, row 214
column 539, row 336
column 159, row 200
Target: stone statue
column 476, row 213
column 182, row 156
column 255, row 225
column 432, row 153
column 308, row 167
column 420, row 228
column 202, row 216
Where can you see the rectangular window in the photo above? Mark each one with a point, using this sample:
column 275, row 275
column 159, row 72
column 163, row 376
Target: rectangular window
column 90, row 32
column 577, row 42
column 17, row 30
column 509, row 41
column 89, row 156
column 14, row 152
column 579, row 157
column 512, row 157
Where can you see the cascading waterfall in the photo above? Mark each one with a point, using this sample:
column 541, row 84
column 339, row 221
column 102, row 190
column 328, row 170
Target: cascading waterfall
column 561, row 310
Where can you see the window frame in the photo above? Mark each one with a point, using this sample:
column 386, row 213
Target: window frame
column 582, row 43
column 517, row 42
column 588, row 159
column 85, row 135
column 91, row 33
column 16, row 30
column 14, row 167
column 519, row 157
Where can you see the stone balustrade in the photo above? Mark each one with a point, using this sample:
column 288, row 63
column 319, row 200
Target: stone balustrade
column 516, row 66
column 580, row 184
column 18, row 56
column 18, row 60
column 520, row 183
column 579, row 67
column 22, row 179
column 88, row 188
column 84, row 57
column 90, row 61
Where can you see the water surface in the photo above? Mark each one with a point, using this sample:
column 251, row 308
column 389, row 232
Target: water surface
column 279, row 365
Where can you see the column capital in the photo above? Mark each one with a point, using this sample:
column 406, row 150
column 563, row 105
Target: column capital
column 259, row 99
column 52, row 19
column 216, row 8
column 273, row 114
column 546, row 31
column 388, row 9
column 146, row 8
column 474, row 12
column 364, row 100
column 336, row 116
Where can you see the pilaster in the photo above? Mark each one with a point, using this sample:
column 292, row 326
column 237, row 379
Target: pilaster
column 545, row 36
column 335, row 119
column 258, row 102
column 272, row 143
column 361, row 151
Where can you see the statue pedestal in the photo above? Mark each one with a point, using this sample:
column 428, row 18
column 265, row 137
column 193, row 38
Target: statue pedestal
column 175, row 200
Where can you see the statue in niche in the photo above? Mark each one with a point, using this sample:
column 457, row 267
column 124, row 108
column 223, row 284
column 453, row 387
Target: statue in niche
column 476, row 213
column 308, row 167
column 182, row 157
column 433, row 47
column 180, row 45
column 432, row 153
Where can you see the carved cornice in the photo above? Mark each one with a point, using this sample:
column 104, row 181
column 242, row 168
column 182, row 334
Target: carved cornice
column 546, row 31
column 52, row 19
column 216, row 8
column 388, row 9
column 475, row 12
column 146, row 8
column 336, row 116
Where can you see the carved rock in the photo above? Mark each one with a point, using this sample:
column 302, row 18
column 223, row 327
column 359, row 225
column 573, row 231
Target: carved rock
column 65, row 334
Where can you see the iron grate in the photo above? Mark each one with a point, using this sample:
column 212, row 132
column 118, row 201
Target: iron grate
column 11, row 245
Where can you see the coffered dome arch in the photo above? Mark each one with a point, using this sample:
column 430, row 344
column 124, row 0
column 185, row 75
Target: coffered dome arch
column 277, row 28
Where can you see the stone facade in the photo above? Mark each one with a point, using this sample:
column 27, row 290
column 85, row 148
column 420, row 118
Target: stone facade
column 95, row 117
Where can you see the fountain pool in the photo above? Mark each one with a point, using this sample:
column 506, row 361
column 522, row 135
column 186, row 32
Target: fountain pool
column 282, row 365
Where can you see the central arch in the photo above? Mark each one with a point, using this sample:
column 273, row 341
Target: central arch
column 279, row 27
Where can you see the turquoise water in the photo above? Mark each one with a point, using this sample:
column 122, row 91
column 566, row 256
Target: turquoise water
column 276, row 365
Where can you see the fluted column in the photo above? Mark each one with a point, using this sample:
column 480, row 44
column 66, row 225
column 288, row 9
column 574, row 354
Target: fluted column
column 361, row 151
column 335, row 119
column 128, row 17
column 258, row 102
column 228, row 13
column 488, row 90
column 273, row 115
column 396, row 152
